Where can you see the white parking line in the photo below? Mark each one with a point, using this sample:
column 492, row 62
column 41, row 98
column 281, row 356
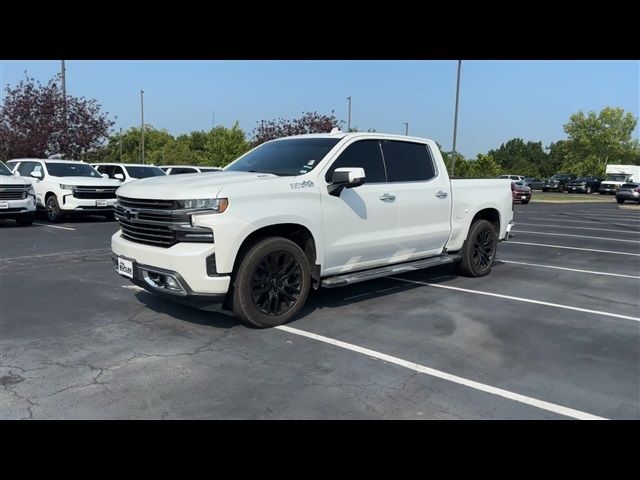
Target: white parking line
column 599, row 229
column 603, row 223
column 133, row 287
column 573, row 248
column 516, row 397
column 597, row 217
column 579, row 236
column 519, row 299
column 77, row 252
column 53, row 226
column 569, row 269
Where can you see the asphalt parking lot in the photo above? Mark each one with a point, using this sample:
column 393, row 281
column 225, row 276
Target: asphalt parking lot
column 552, row 333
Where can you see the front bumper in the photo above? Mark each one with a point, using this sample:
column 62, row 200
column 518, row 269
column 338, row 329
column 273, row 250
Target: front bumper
column 70, row 204
column 186, row 261
column 576, row 188
column 16, row 208
column 608, row 189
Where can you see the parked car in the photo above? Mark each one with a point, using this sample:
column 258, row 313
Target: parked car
column 515, row 178
column 520, row 192
column 128, row 172
column 584, row 184
column 618, row 175
column 306, row 211
column 179, row 169
column 558, row 182
column 17, row 198
column 65, row 187
column 628, row 191
column 532, row 183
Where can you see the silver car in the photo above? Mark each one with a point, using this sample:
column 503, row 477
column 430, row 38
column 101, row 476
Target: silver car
column 628, row 191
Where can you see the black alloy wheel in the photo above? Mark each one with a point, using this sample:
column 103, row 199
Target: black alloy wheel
column 483, row 249
column 276, row 284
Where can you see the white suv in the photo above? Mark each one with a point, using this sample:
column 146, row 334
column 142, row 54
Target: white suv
column 17, row 198
column 128, row 172
column 67, row 187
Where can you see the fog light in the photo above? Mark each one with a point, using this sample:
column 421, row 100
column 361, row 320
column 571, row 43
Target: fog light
column 171, row 283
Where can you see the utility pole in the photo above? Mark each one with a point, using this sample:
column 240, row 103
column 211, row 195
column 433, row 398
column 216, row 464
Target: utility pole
column 406, row 128
column 120, row 142
column 349, row 120
column 455, row 122
column 142, row 124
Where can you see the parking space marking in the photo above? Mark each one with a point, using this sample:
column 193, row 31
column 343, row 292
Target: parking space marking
column 568, row 269
column 599, row 222
column 541, row 404
column 133, row 287
column 519, row 299
column 578, row 228
column 77, row 252
column 596, row 217
column 573, row 248
column 578, row 236
column 52, row 226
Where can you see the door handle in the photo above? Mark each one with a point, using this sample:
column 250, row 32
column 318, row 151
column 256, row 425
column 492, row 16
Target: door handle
column 441, row 194
column 387, row 197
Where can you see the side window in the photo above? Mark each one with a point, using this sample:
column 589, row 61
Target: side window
column 102, row 169
column 407, row 162
column 364, row 154
column 179, row 170
column 117, row 169
column 26, row 168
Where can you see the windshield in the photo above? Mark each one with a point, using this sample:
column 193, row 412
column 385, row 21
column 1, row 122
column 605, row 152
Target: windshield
column 617, row 178
column 559, row 177
column 4, row 170
column 582, row 179
column 285, row 157
column 72, row 170
column 144, row 172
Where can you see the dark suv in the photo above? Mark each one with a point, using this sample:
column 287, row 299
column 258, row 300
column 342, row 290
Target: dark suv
column 558, row 182
column 586, row 184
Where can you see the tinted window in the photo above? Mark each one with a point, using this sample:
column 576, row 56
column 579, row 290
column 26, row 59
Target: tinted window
column 407, row 162
column 26, row 168
column 209, row 169
column 72, row 170
column 179, row 170
column 144, row 172
column 285, row 157
column 365, row 154
column 4, row 170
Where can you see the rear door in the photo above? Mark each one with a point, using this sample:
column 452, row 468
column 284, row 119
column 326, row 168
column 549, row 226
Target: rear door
column 423, row 197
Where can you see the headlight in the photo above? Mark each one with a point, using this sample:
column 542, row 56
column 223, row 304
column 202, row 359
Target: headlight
column 214, row 205
column 64, row 186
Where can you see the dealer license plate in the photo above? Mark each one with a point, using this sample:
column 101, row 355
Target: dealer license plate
column 101, row 203
column 125, row 267
column 523, row 197
column 4, row 204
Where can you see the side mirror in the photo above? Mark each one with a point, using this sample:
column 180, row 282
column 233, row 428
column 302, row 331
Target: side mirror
column 104, row 175
column 36, row 174
column 118, row 176
column 347, row 177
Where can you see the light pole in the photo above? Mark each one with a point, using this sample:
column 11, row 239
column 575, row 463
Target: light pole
column 142, row 124
column 349, row 118
column 406, row 128
column 120, row 142
column 455, row 122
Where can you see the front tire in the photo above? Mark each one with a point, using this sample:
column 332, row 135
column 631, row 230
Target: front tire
column 272, row 283
column 24, row 221
column 545, row 189
column 561, row 188
column 588, row 190
column 54, row 214
column 524, row 202
column 620, row 200
column 479, row 250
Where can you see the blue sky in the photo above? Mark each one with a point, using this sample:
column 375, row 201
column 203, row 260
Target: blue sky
column 499, row 100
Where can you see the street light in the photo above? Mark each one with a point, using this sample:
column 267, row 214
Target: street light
column 455, row 122
column 142, row 124
column 406, row 128
column 349, row 120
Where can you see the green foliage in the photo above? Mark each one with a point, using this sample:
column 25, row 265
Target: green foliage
column 218, row 147
column 519, row 158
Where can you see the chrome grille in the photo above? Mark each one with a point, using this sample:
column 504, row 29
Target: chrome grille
column 94, row 193
column 13, row 192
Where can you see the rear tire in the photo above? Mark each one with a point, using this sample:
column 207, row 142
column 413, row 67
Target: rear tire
column 561, row 188
column 545, row 189
column 54, row 214
column 272, row 283
column 24, row 220
column 479, row 250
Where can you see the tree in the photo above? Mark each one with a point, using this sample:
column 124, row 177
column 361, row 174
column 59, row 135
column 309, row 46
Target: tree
column 596, row 139
column 33, row 122
column 310, row 122
column 484, row 166
column 223, row 145
column 519, row 157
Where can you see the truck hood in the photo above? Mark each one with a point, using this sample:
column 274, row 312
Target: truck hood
column 192, row 185
column 88, row 181
column 12, row 180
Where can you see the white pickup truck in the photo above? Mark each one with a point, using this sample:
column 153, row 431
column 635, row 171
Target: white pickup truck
column 310, row 211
